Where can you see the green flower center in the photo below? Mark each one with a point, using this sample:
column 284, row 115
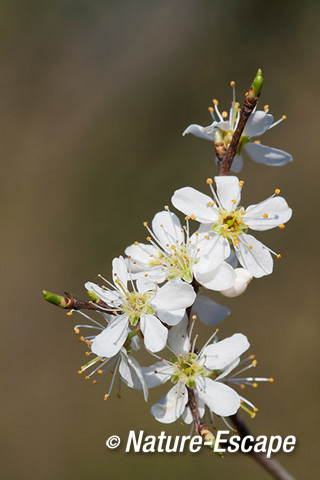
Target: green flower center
column 136, row 304
column 230, row 224
column 187, row 369
column 179, row 263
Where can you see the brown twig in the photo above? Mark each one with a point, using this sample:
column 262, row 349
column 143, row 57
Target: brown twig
column 269, row 464
column 250, row 102
column 69, row 302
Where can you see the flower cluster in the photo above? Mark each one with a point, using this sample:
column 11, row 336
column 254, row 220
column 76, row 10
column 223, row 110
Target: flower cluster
column 159, row 289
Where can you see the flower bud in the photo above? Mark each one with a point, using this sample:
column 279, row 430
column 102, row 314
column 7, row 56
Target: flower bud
column 242, row 280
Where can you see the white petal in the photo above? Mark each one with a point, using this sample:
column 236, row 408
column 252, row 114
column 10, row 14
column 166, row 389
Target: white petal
column 276, row 209
column 220, row 278
column 120, row 271
column 157, row 374
column 174, row 296
column 171, row 318
column 258, row 260
column 220, row 398
column 131, row 373
column 141, row 255
column 243, row 278
column 228, row 191
column 201, row 132
column 105, row 295
column 155, row 334
column 145, row 284
column 267, row 155
column 109, row 342
column 167, row 228
column 258, row 123
column 212, row 251
column 209, row 312
column 178, row 339
column 220, row 354
column 172, row 405
column 237, row 164
column 192, row 202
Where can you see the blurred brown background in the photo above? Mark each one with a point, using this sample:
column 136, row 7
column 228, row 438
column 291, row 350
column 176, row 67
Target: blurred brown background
column 94, row 97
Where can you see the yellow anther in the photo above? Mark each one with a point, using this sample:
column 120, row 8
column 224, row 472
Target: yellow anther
column 246, row 94
column 234, row 201
column 242, row 386
column 206, row 237
column 136, row 243
column 197, row 234
column 87, row 342
column 271, row 380
column 100, row 361
column 146, row 274
column 211, row 204
column 279, row 255
column 252, row 357
column 193, row 217
column 87, row 354
column 255, row 409
column 79, row 372
column 100, row 372
column 250, row 246
column 87, row 377
column 187, row 218
column 119, row 395
column 241, row 183
column 255, row 385
column 244, row 212
column 232, row 213
column 166, row 207
column 145, row 224
column 282, row 226
column 257, row 141
column 106, row 397
column 81, row 339
column 94, row 382
column 266, row 107
column 148, row 238
column 69, row 314
column 277, row 191
column 209, row 181
column 77, row 331
column 211, row 110
column 224, row 236
column 265, row 215
column 215, row 102
column 232, row 83
column 224, row 114
column 284, row 117
column 254, row 363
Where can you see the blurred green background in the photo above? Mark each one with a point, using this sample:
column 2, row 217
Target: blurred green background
column 94, row 97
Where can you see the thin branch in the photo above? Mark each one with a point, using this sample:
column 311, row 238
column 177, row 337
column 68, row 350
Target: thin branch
column 269, row 464
column 250, row 102
column 69, row 302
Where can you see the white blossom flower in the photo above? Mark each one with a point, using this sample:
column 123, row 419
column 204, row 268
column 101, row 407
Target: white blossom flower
column 258, row 123
column 206, row 372
column 101, row 364
column 225, row 223
column 144, row 307
column 175, row 255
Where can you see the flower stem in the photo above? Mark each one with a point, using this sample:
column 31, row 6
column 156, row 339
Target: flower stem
column 69, row 302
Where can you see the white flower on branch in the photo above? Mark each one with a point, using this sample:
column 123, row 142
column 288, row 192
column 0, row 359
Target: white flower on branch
column 102, row 364
column 259, row 122
column 208, row 373
column 224, row 222
column 175, row 255
column 145, row 306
